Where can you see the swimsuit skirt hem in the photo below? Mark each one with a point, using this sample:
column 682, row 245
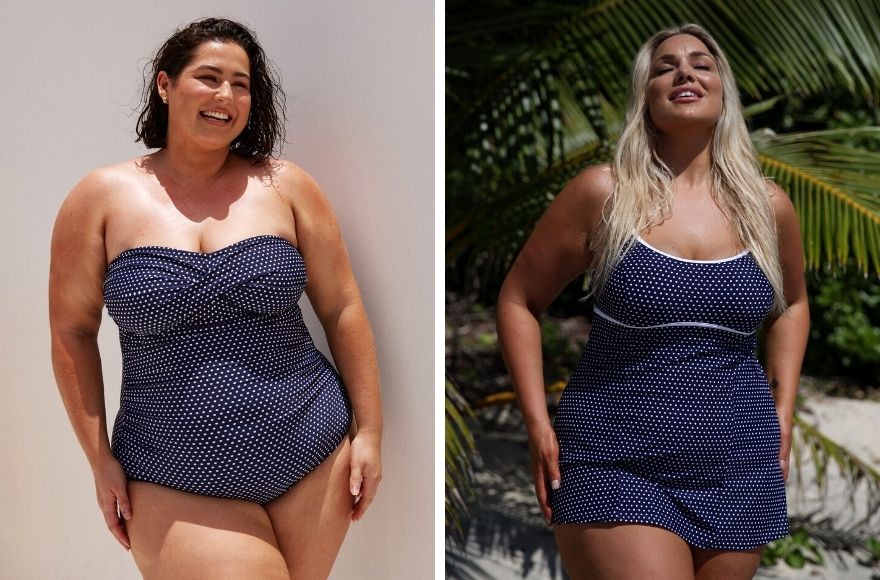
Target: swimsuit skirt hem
column 701, row 515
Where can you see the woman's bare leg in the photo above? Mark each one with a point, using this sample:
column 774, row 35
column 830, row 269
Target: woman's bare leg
column 612, row 551
column 175, row 534
column 312, row 517
column 718, row 565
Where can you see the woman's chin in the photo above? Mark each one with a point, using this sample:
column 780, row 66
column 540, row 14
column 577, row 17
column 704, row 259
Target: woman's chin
column 685, row 123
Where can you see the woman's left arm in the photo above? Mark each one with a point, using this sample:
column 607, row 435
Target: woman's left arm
column 786, row 337
column 334, row 296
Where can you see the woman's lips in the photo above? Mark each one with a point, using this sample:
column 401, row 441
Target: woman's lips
column 685, row 95
column 214, row 121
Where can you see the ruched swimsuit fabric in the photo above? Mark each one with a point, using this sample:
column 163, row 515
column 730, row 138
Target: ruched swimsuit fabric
column 668, row 418
column 223, row 391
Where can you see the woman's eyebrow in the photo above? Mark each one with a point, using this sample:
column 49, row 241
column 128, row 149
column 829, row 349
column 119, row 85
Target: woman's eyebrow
column 220, row 71
column 672, row 57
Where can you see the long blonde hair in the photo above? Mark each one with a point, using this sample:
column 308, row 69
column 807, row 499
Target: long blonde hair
column 642, row 193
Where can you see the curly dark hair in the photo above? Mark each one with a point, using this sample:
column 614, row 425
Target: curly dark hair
column 265, row 126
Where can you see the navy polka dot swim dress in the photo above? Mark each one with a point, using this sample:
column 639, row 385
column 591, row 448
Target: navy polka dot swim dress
column 223, row 391
column 668, row 418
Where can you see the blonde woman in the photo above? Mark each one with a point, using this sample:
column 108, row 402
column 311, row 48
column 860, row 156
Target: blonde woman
column 670, row 447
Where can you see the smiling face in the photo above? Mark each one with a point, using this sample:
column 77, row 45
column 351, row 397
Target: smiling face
column 684, row 87
column 210, row 100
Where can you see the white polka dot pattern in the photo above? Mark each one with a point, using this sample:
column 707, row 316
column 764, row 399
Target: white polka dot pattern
column 668, row 418
column 223, row 391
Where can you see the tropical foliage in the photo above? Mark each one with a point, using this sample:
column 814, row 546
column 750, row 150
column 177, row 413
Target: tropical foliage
column 845, row 327
column 459, row 457
column 535, row 91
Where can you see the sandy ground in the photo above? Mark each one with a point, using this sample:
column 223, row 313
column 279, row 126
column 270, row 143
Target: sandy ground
column 508, row 542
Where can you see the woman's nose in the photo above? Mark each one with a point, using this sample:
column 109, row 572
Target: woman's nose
column 224, row 90
column 684, row 73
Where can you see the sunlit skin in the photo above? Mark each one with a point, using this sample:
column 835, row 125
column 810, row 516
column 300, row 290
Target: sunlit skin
column 195, row 195
column 216, row 79
column 683, row 62
column 556, row 253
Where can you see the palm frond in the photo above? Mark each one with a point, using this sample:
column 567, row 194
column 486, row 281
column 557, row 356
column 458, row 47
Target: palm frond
column 459, row 457
column 835, row 188
column 823, row 453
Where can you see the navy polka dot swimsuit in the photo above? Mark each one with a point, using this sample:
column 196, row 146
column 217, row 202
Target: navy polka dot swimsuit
column 223, row 391
column 668, row 418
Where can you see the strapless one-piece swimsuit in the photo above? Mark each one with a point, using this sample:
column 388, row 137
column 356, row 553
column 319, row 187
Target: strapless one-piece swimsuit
column 668, row 418
column 223, row 391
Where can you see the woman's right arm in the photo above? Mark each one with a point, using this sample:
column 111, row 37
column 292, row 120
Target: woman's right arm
column 554, row 255
column 76, row 273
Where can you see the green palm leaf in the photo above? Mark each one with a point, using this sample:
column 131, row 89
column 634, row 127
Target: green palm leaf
column 824, row 452
column 459, row 457
column 835, row 188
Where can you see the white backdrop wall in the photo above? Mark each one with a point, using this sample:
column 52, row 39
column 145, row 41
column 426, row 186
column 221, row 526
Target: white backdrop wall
column 361, row 120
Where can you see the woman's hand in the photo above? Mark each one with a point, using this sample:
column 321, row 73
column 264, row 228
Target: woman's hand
column 111, row 487
column 544, row 450
column 366, row 470
column 785, row 423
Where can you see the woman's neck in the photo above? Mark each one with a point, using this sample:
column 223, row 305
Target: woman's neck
column 689, row 156
column 193, row 168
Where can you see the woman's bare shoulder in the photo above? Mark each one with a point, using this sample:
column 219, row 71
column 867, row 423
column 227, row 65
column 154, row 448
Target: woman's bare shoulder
column 88, row 205
column 586, row 194
column 780, row 201
column 98, row 184
column 594, row 184
column 295, row 184
column 785, row 213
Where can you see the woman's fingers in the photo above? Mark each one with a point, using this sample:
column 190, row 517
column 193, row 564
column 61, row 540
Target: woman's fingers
column 111, row 486
column 355, row 480
column 553, row 474
column 368, row 492
column 541, row 491
column 545, row 458
column 364, row 481
column 366, row 471
column 124, row 504
column 113, row 519
column 784, row 453
column 785, row 428
column 554, row 477
column 546, row 478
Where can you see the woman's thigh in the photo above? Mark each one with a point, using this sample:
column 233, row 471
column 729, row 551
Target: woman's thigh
column 717, row 565
column 613, row 551
column 312, row 517
column 175, row 534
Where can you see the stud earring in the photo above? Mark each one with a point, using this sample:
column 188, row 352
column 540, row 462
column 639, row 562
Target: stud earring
column 164, row 99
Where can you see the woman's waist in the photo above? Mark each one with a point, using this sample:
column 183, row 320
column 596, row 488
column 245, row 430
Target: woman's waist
column 234, row 337
column 230, row 381
column 684, row 356
column 181, row 360
column 217, row 405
